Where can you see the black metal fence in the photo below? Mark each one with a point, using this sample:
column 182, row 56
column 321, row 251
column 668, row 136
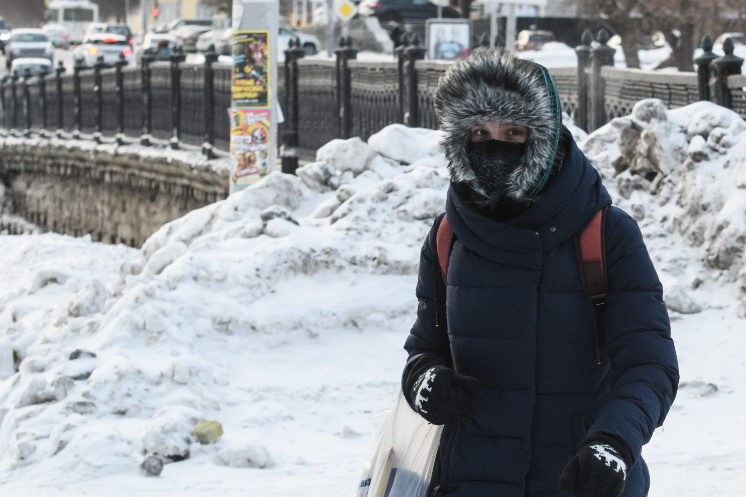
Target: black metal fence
column 186, row 104
column 164, row 101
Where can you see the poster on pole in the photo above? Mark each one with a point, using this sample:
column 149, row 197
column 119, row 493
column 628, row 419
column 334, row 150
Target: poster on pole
column 448, row 39
column 249, row 142
column 251, row 54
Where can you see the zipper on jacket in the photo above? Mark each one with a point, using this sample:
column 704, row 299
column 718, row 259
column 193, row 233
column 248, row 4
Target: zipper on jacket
column 435, row 491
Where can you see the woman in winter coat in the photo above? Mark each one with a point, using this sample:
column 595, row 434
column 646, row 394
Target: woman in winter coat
column 536, row 399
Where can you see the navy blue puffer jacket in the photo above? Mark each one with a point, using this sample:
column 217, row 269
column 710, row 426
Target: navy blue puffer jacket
column 518, row 320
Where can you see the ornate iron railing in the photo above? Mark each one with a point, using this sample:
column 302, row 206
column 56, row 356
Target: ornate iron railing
column 336, row 99
column 625, row 87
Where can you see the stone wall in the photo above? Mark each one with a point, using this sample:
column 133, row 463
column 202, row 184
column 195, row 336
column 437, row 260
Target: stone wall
column 117, row 194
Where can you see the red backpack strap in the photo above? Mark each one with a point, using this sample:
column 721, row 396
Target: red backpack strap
column 444, row 243
column 591, row 252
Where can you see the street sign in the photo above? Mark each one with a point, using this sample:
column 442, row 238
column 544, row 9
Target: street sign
column 345, row 10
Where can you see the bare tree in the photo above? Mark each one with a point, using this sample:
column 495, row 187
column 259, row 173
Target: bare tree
column 682, row 22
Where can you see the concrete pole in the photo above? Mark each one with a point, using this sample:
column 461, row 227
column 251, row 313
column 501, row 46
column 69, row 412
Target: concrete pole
column 304, row 12
column 294, row 22
column 329, row 28
column 142, row 25
column 510, row 29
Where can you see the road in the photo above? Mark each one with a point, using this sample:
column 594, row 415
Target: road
column 66, row 56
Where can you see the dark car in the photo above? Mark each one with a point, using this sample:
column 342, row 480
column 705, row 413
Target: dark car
column 533, row 40
column 119, row 29
column 399, row 10
column 4, row 34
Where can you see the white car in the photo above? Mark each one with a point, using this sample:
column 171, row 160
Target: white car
column 737, row 38
column 309, row 43
column 57, row 34
column 34, row 65
column 109, row 45
column 28, row 43
column 219, row 26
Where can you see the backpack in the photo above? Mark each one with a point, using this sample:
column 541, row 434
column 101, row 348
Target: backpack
column 590, row 251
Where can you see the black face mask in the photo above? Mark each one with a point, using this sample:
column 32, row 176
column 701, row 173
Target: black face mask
column 493, row 161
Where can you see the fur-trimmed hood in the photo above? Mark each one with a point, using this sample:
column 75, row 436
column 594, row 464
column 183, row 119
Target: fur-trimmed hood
column 495, row 85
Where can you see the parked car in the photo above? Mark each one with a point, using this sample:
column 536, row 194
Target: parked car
column 188, row 36
column 110, row 45
column 4, row 34
column 653, row 42
column 213, row 36
column 178, row 23
column 57, row 34
column 28, row 43
column 151, row 41
column 93, row 28
column 19, row 66
column 399, row 10
column 533, row 40
column 120, row 29
column 738, row 39
column 309, row 43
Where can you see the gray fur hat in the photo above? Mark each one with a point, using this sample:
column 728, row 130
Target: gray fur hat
column 495, row 85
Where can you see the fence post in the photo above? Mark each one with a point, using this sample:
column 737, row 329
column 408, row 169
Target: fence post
column 60, row 98
column 583, row 52
column 290, row 146
column 43, row 71
column 121, row 62
column 484, row 40
column 98, row 101
column 412, row 54
column 400, row 71
column 602, row 55
column 147, row 100
column 720, row 69
column 175, row 58
column 345, row 53
column 27, row 101
column 14, row 100
column 703, row 68
column 211, row 56
column 76, row 96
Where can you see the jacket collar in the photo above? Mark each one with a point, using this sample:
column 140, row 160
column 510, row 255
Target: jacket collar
column 567, row 207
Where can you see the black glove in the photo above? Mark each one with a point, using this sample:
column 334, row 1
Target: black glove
column 599, row 469
column 439, row 394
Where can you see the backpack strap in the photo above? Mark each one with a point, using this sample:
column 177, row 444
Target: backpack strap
column 591, row 253
column 590, row 249
column 444, row 244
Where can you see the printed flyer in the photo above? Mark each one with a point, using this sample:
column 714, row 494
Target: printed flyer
column 249, row 145
column 251, row 69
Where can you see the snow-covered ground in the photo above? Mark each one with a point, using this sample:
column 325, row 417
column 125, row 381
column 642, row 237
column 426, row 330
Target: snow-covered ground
column 560, row 54
column 281, row 312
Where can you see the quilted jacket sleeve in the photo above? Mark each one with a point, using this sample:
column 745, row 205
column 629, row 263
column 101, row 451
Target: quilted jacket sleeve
column 427, row 336
column 643, row 372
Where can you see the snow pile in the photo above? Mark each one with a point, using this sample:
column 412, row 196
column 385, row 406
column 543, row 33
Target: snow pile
column 557, row 54
column 689, row 164
column 281, row 311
